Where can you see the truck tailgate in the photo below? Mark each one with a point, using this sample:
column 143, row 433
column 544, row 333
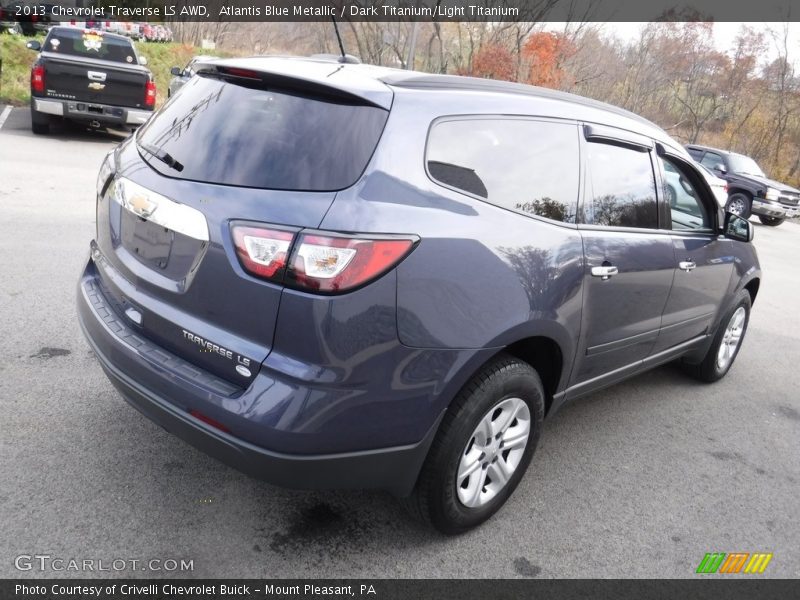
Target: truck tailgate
column 101, row 82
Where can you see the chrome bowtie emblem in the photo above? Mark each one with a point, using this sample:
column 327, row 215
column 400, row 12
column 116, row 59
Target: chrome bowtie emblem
column 142, row 206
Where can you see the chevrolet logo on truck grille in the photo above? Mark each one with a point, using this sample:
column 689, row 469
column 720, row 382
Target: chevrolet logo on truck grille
column 97, row 86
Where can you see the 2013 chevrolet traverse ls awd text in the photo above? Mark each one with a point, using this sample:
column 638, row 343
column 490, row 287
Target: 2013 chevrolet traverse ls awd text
column 342, row 276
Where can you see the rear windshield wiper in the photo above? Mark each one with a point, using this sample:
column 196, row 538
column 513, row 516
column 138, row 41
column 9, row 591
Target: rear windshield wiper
column 163, row 156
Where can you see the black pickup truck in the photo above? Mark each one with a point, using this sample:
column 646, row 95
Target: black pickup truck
column 89, row 76
column 750, row 191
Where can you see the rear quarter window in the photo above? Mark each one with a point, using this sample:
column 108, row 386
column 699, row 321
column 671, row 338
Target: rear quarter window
column 525, row 165
column 225, row 133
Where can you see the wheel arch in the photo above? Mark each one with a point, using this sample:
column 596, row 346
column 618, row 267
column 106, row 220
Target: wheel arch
column 736, row 189
column 545, row 355
column 752, row 288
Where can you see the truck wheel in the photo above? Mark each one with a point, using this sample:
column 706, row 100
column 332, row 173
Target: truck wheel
column 483, row 447
column 770, row 221
column 727, row 342
column 40, row 123
column 739, row 204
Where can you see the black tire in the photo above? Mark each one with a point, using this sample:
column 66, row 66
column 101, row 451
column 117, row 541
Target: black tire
column 40, row 123
column 435, row 497
column 770, row 221
column 709, row 370
column 741, row 203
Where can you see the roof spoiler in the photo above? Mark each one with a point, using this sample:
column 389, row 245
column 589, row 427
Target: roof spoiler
column 322, row 79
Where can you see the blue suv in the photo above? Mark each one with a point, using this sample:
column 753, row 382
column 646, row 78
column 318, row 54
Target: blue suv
column 341, row 276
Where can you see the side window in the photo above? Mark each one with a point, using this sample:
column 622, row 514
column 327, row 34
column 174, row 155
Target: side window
column 711, row 160
column 695, row 153
column 528, row 166
column 620, row 187
column 686, row 207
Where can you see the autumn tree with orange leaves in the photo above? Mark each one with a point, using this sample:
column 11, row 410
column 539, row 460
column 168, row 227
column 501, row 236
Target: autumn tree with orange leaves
column 492, row 61
column 543, row 55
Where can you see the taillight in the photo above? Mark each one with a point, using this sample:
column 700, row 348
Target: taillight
column 335, row 264
column 150, row 94
column 317, row 261
column 263, row 252
column 37, row 78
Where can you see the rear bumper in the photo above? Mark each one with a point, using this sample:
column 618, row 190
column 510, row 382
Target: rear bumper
column 165, row 388
column 88, row 111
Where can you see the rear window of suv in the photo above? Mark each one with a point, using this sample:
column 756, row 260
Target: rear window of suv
column 223, row 133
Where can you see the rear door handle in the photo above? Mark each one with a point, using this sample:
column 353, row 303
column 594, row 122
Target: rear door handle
column 604, row 273
column 687, row 265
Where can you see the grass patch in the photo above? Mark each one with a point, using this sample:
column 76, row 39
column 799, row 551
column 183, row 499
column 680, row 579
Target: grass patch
column 15, row 77
column 17, row 61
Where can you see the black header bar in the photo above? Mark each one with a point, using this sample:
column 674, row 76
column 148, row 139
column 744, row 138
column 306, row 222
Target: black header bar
column 428, row 10
column 736, row 587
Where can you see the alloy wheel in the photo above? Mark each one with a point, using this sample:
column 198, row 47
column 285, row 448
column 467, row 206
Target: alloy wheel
column 736, row 206
column 493, row 452
column 731, row 338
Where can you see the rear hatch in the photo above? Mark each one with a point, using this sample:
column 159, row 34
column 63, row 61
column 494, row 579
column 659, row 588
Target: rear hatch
column 88, row 66
column 221, row 151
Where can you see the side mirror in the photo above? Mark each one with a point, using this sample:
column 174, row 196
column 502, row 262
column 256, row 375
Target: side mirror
column 176, row 71
column 737, row 228
column 721, row 168
column 143, row 60
column 33, row 45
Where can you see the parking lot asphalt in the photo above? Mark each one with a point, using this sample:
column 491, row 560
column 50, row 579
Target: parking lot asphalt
column 640, row 480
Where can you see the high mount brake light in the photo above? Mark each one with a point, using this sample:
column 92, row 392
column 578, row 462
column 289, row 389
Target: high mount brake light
column 236, row 72
column 317, row 261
